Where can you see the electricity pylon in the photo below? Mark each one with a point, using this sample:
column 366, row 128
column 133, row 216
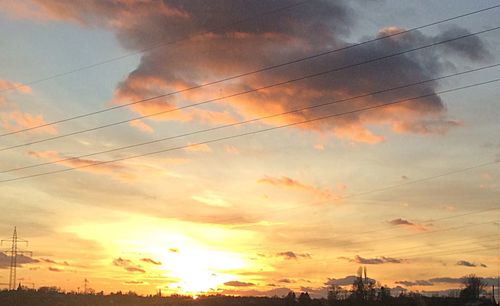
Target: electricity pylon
column 13, row 252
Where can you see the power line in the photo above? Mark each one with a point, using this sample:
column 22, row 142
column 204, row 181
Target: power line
column 477, row 166
column 404, row 236
column 404, row 254
column 454, row 243
column 253, row 90
column 253, row 72
column 439, row 251
column 358, row 243
column 257, row 132
column 420, row 180
column 249, row 120
column 160, row 44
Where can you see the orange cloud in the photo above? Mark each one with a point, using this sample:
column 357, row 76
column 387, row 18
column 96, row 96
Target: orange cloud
column 212, row 199
column 151, row 261
column 231, row 149
column 198, row 148
column 292, row 183
column 81, row 164
column 25, row 89
column 142, row 126
column 16, row 120
column 48, row 10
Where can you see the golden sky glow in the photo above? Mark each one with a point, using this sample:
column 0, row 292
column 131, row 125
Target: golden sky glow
column 409, row 190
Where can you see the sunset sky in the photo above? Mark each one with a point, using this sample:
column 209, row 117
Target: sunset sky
column 409, row 190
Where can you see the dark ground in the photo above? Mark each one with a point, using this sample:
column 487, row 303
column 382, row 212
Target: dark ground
column 36, row 298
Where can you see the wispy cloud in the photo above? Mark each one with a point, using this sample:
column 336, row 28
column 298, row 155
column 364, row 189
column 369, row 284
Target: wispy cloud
column 212, row 199
column 51, row 261
column 198, row 148
column 408, row 224
column 466, row 263
column 238, row 284
column 54, row 269
column 81, row 164
column 415, row 283
column 288, row 182
column 151, row 261
column 142, row 126
column 373, row 261
column 15, row 120
column 286, row 281
column 19, row 87
column 128, row 265
column 293, row 255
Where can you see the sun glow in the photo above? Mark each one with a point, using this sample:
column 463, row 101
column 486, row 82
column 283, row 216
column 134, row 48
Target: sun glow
column 192, row 263
column 201, row 270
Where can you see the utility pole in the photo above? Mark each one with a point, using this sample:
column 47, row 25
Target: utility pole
column 86, row 282
column 13, row 252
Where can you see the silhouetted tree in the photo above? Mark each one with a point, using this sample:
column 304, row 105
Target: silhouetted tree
column 358, row 287
column 363, row 288
column 290, row 298
column 384, row 294
column 474, row 286
column 304, row 299
column 333, row 294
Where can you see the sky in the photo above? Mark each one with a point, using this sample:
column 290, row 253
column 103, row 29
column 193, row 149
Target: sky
column 409, row 190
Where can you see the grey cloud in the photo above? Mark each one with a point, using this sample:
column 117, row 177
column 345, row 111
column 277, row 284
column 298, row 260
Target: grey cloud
column 415, row 283
column 293, row 255
column 286, row 281
column 459, row 280
column 238, row 284
column 400, row 221
column 448, row 280
column 466, row 263
column 21, row 260
column 373, row 261
column 272, row 292
column 464, row 47
column 348, row 280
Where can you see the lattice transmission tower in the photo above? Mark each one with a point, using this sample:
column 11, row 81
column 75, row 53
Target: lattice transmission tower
column 13, row 252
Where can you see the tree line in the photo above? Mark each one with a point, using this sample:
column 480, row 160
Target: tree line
column 363, row 291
